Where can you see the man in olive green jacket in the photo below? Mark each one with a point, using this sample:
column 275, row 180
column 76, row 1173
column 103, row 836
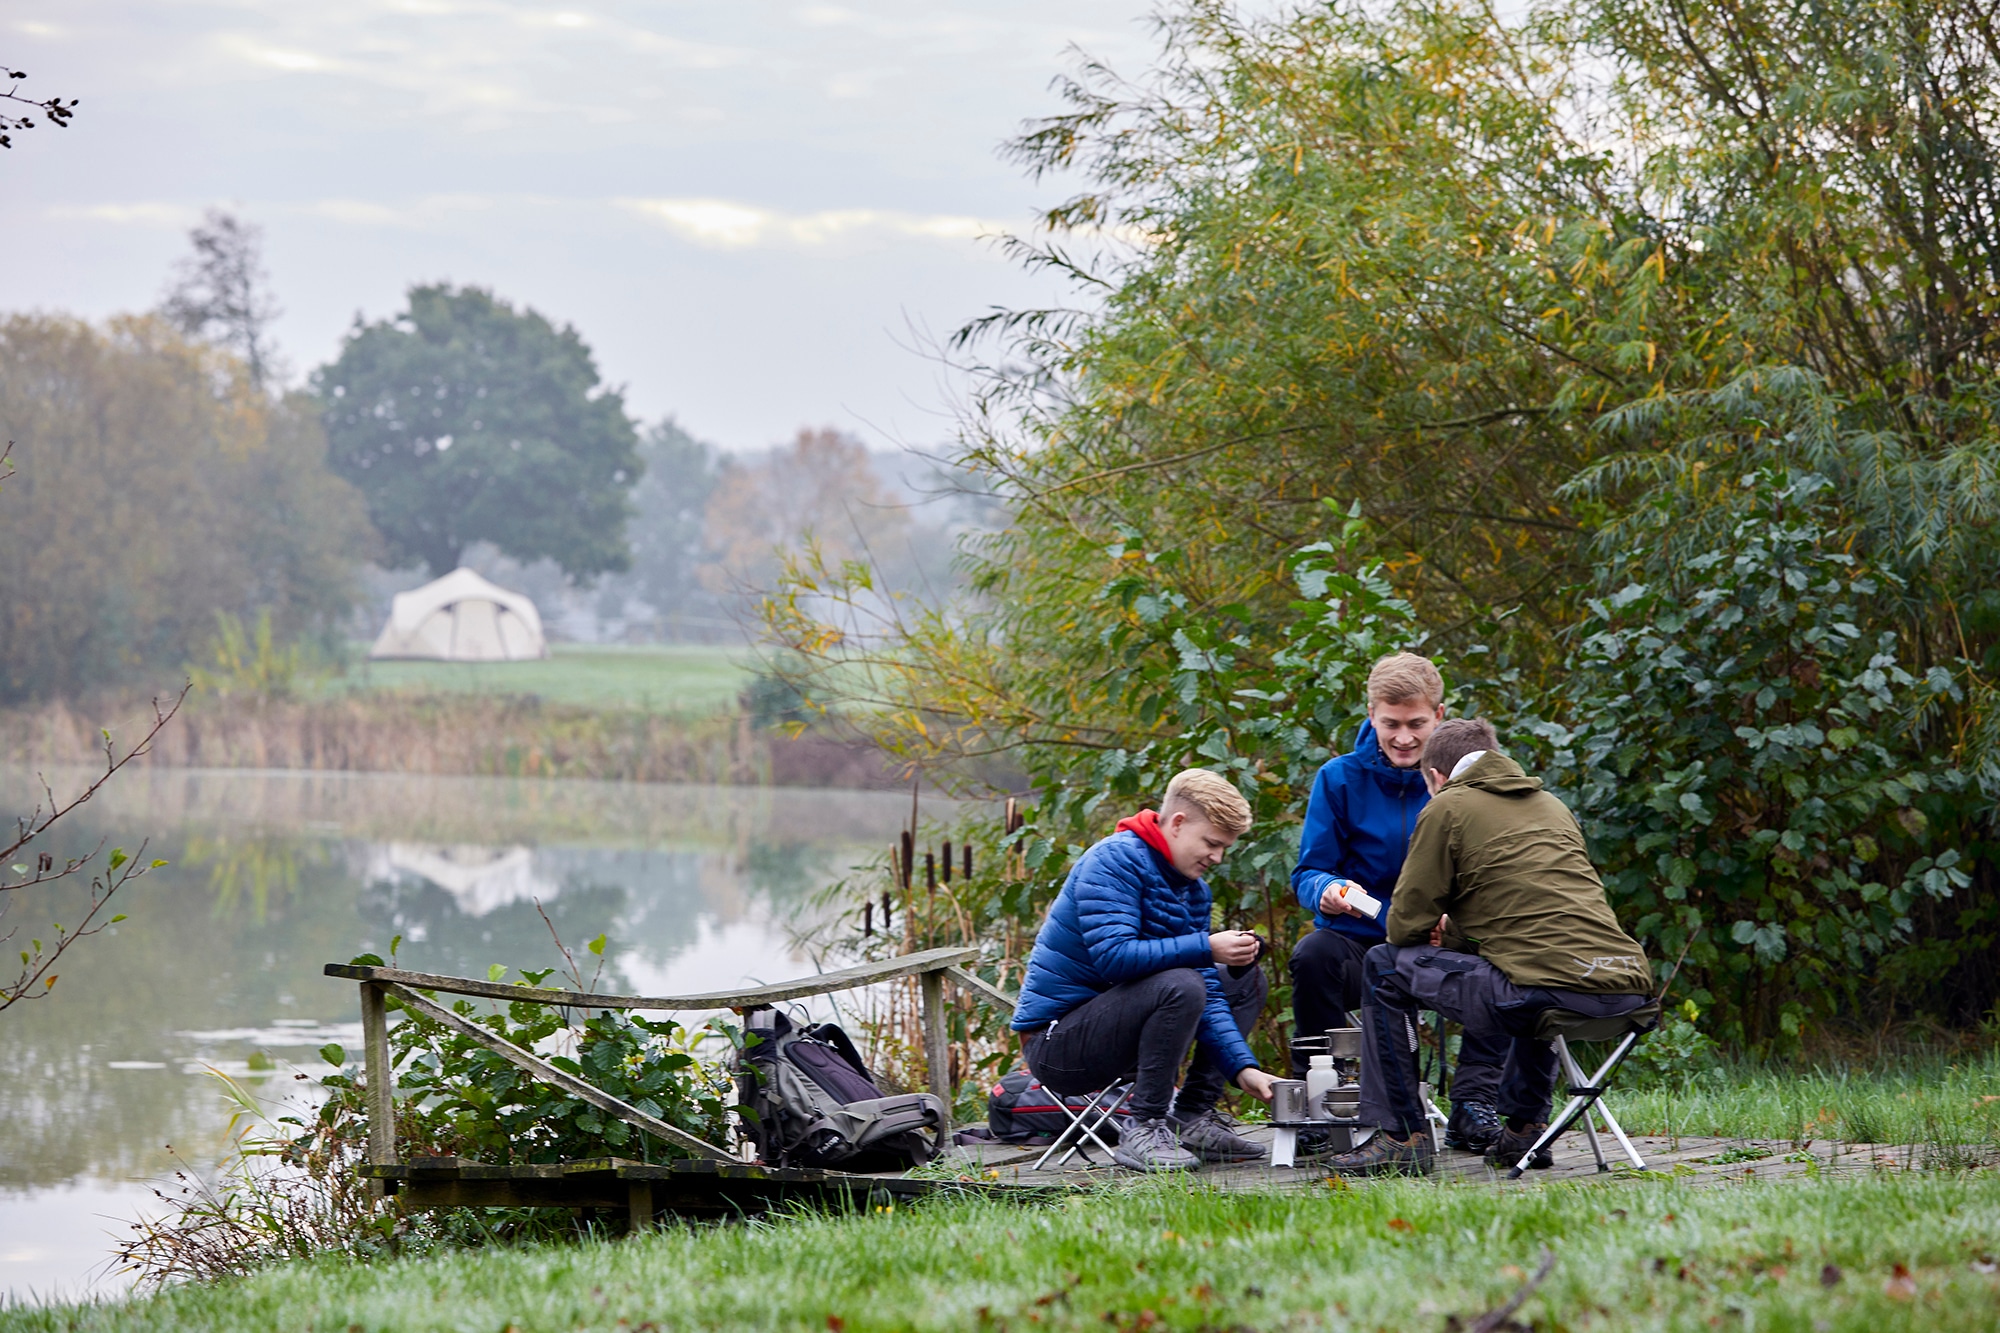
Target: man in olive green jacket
column 1498, row 916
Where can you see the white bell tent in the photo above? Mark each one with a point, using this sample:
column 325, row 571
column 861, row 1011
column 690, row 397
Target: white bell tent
column 462, row 618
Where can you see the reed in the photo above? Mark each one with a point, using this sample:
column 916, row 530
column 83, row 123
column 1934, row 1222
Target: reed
column 452, row 733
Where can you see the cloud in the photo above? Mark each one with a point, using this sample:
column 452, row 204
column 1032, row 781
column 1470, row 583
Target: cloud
column 724, row 224
column 130, row 215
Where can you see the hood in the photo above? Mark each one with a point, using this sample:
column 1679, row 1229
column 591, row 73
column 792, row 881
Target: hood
column 1496, row 773
column 1368, row 750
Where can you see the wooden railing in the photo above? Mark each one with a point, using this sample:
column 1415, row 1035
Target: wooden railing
column 932, row 968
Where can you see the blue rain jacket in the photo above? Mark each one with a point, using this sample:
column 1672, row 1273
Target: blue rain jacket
column 1358, row 825
column 1125, row 913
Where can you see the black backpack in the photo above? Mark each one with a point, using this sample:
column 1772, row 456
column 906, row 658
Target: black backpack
column 1021, row 1110
column 806, row 1099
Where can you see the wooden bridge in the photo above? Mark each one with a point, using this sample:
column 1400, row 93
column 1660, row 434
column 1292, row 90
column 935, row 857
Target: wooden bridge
column 712, row 1181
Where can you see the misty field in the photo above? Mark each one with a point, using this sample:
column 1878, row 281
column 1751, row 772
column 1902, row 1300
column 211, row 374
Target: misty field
column 683, row 679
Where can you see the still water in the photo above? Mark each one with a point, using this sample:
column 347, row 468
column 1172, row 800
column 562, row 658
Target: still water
column 273, row 874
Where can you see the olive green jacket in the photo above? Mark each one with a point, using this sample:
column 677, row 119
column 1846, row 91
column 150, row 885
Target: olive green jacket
column 1506, row 860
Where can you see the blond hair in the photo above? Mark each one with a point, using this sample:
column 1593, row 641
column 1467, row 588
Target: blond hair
column 1208, row 794
column 1400, row 677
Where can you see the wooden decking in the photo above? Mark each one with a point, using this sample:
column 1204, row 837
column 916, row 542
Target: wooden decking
column 1699, row 1160
column 695, row 1188
column 701, row 1189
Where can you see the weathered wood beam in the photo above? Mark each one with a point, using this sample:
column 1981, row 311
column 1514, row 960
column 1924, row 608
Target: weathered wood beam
column 864, row 974
column 937, row 1045
column 380, row 1073
column 980, row 986
column 540, row 1069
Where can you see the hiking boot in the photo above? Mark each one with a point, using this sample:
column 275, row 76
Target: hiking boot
column 1386, row 1155
column 1212, row 1137
column 1507, row 1149
column 1473, row 1127
column 1313, row 1143
column 1150, row 1145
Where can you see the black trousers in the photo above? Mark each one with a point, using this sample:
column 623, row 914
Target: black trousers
column 1142, row 1030
column 1326, row 993
column 1397, row 982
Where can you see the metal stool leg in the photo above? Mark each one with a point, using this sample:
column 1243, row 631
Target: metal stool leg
column 1582, row 1097
column 1084, row 1124
column 1567, row 1063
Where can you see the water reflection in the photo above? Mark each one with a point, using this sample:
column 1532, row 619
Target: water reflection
column 274, row 874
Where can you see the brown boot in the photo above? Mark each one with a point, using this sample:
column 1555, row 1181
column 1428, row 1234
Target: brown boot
column 1507, row 1149
column 1386, row 1155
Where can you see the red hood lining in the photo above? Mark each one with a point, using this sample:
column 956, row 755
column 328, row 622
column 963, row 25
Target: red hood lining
column 1147, row 825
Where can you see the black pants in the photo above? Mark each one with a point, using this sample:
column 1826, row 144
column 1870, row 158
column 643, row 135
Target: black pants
column 1142, row 1030
column 1397, row 982
column 1326, row 990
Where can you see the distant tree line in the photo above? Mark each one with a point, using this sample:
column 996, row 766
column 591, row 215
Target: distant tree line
column 169, row 492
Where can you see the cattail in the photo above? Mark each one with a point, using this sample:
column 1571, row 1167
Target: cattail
column 967, row 852
column 930, row 873
column 909, row 857
column 868, row 919
column 886, row 899
column 946, row 858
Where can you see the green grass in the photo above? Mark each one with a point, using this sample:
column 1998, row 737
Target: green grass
column 1916, row 1099
column 1394, row 1256
column 681, row 679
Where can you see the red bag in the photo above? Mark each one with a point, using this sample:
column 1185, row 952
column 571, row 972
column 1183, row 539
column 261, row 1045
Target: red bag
column 1021, row 1110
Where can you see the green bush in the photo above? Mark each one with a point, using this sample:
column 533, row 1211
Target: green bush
column 457, row 1098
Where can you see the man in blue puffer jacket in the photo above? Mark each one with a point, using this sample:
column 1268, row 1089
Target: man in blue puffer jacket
column 1359, row 821
column 1123, row 980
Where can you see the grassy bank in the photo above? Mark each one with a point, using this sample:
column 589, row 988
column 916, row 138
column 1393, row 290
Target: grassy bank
column 1905, row 1251
column 661, row 714
column 1934, row 1099
column 681, row 680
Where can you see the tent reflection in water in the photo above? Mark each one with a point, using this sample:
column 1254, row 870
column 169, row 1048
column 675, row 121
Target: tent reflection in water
column 462, row 618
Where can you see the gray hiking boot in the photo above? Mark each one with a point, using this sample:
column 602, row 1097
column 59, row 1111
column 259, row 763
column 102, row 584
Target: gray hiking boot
column 1150, row 1145
column 1212, row 1137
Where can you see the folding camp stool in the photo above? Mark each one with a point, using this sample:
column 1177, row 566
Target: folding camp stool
column 1557, row 1026
column 1084, row 1124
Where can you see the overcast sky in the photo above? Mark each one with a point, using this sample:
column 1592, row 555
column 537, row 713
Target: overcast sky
column 742, row 205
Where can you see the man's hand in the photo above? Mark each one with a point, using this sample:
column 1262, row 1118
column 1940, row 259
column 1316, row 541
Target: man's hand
column 1332, row 904
column 1438, row 931
column 1257, row 1083
column 1233, row 948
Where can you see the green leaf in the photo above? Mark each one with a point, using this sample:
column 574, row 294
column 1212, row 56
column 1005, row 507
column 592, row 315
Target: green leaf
column 596, row 946
column 333, row 1054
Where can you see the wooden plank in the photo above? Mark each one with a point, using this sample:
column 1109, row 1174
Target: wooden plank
column 864, row 974
column 937, row 1048
column 639, row 1202
column 982, row 987
column 377, row 1069
column 541, row 1069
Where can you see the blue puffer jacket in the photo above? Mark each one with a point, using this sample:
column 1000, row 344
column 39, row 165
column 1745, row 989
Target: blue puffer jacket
column 1358, row 826
column 1124, row 913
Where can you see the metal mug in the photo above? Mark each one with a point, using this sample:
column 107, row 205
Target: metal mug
column 1288, row 1101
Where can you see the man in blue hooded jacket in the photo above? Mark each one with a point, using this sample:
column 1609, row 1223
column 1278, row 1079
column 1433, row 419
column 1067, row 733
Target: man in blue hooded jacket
column 1123, row 980
column 1359, row 820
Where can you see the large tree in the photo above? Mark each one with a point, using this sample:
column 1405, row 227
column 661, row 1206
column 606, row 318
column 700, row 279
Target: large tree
column 463, row 419
column 156, row 488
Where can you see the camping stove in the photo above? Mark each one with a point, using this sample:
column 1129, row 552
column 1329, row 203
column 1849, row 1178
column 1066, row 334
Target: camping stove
column 1295, row 1107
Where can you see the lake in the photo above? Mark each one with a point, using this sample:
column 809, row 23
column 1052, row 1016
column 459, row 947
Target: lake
column 274, row 874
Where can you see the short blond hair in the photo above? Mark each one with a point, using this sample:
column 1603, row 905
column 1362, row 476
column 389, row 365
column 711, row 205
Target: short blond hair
column 1208, row 794
column 1400, row 677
